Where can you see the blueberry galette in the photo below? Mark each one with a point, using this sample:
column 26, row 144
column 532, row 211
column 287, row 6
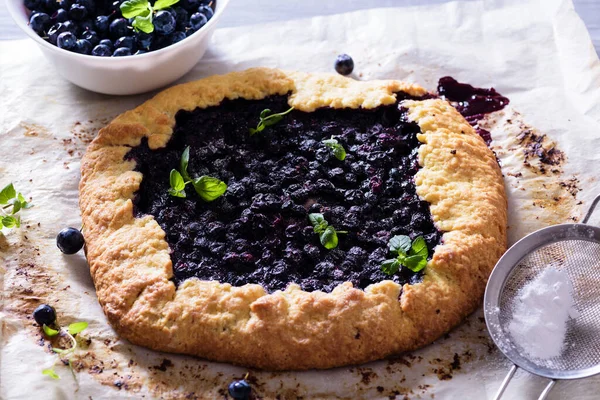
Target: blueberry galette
column 288, row 220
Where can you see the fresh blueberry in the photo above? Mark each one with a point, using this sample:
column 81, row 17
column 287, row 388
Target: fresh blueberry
column 50, row 5
column 83, row 46
column 160, row 41
column 87, row 25
column 125, row 41
column 344, row 64
column 90, row 5
column 177, row 37
column 32, row 4
column 197, row 21
column 91, row 36
column 240, row 390
column 118, row 28
column 67, row 41
column 108, row 43
column 65, row 4
column 102, row 50
column 143, row 40
column 39, row 22
column 69, row 240
column 190, row 5
column 115, row 9
column 44, row 314
column 164, row 22
column 207, row 11
column 71, row 27
column 56, row 30
column 77, row 12
column 122, row 52
column 140, row 52
column 101, row 23
column 181, row 18
column 60, row 15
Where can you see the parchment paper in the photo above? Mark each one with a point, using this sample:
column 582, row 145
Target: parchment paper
column 536, row 53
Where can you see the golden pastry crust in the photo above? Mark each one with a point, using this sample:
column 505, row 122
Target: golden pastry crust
column 292, row 329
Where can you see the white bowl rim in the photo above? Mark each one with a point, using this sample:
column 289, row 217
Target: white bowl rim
column 12, row 10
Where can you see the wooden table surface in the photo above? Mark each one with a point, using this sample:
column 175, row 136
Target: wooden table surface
column 246, row 12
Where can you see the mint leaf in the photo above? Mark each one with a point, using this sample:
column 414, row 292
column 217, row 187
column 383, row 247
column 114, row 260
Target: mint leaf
column 415, row 263
column 77, row 327
column 175, row 193
column 209, row 188
column 176, row 181
column 267, row 119
column 183, row 164
column 329, row 238
column 399, row 243
column 143, row 23
column 419, row 247
column 51, row 373
column 49, row 331
column 7, row 193
column 391, row 266
column 58, row 351
column 133, row 8
column 317, row 220
column 265, row 113
column 9, row 222
column 162, row 4
column 337, row 149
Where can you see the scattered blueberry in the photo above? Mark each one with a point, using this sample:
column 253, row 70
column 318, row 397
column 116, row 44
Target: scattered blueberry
column 344, row 64
column 66, row 40
column 69, row 240
column 39, row 22
column 83, row 46
column 102, row 50
column 122, row 51
column 164, row 22
column 197, row 21
column 77, row 12
column 126, row 41
column 118, row 28
column 240, row 390
column 44, row 315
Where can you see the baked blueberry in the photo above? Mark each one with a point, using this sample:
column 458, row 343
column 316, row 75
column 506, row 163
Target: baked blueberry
column 70, row 240
column 44, row 314
column 344, row 64
column 239, row 390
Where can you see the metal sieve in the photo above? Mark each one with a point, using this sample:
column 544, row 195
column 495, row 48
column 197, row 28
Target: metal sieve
column 575, row 250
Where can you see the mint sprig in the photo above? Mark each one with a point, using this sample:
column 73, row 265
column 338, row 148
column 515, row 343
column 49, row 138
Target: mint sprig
column 142, row 12
column 267, row 119
column 410, row 254
column 327, row 233
column 336, row 148
column 71, row 331
column 207, row 187
column 11, row 203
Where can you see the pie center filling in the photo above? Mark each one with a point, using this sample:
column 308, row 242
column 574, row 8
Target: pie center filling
column 259, row 231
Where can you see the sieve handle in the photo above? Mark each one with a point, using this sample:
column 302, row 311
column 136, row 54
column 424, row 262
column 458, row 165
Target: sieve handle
column 591, row 210
column 547, row 390
column 505, row 382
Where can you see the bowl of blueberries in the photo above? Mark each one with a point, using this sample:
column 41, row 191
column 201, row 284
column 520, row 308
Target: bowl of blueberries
column 120, row 47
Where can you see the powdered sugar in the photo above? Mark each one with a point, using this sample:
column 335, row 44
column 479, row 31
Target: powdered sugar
column 543, row 307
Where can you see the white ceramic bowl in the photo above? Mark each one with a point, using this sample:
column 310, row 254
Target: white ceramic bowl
column 123, row 75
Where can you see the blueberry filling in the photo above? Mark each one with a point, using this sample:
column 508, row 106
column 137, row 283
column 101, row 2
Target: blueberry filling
column 259, row 231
